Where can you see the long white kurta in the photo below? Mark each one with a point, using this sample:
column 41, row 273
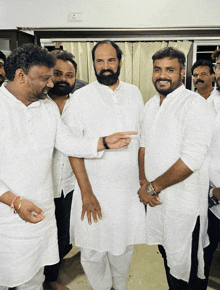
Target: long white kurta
column 214, row 170
column 181, row 127
column 96, row 110
column 27, row 140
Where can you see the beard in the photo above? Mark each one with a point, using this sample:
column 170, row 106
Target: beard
column 41, row 95
column 218, row 84
column 61, row 89
column 173, row 86
column 108, row 80
column 2, row 79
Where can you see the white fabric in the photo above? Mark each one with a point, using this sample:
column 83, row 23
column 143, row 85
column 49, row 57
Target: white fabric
column 214, row 99
column 214, row 170
column 104, row 270
column 96, row 110
column 63, row 176
column 181, row 127
column 36, row 283
column 27, row 140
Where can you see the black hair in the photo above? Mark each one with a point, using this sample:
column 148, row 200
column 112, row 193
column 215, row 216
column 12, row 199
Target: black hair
column 65, row 56
column 172, row 53
column 203, row 62
column 25, row 57
column 2, row 56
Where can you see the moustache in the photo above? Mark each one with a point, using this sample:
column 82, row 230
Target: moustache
column 106, row 70
column 62, row 83
column 201, row 81
column 162, row 80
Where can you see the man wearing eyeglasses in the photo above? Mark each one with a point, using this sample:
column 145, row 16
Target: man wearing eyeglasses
column 214, row 176
column 216, row 58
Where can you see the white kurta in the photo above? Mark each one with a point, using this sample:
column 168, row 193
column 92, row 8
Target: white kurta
column 98, row 111
column 27, row 140
column 214, row 170
column 181, row 127
column 214, row 99
column 63, row 177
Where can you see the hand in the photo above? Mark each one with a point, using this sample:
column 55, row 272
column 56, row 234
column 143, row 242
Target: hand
column 146, row 198
column 28, row 211
column 154, row 201
column 216, row 193
column 119, row 140
column 143, row 181
column 90, row 206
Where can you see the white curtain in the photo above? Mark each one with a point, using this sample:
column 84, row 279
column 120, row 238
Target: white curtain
column 136, row 61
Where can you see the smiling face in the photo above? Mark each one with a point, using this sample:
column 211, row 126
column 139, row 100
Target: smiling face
column 167, row 75
column 63, row 78
column 38, row 82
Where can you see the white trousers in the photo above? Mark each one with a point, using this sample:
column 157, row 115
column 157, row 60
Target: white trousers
column 104, row 270
column 36, row 283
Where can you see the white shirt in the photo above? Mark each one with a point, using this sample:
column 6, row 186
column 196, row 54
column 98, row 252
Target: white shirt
column 27, row 140
column 180, row 128
column 214, row 99
column 63, row 176
column 214, row 170
column 96, row 110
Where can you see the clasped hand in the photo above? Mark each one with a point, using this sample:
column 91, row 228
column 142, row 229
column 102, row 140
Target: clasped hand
column 146, row 198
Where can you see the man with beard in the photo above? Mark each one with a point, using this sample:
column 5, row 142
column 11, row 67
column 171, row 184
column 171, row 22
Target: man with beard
column 30, row 129
column 177, row 130
column 107, row 218
column 64, row 81
column 203, row 78
column 2, row 70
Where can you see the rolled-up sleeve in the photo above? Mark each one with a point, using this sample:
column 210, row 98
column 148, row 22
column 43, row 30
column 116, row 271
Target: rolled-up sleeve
column 198, row 128
column 70, row 143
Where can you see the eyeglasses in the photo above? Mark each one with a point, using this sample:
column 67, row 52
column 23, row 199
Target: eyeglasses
column 216, row 66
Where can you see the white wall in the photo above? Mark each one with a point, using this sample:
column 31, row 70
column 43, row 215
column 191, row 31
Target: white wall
column 109, row 13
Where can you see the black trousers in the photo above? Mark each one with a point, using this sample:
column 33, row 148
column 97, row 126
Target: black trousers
column 62, row 213
column 214, row 237
column 194, row 282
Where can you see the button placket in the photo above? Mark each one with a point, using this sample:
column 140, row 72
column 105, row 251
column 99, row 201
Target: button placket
column 115, row 101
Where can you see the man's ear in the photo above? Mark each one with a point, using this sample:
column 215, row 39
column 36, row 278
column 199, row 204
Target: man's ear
column 120, row 63
column 20, row 75
column 182, row 72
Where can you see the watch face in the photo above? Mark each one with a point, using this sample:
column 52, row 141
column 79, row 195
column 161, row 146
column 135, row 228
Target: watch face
column 150, row 189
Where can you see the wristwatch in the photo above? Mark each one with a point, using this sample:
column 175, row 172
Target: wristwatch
column 150, row 189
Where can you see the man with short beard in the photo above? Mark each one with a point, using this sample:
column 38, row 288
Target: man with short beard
column 2, row 70
column 107, row 217
column 64, row 80
column 177, row 130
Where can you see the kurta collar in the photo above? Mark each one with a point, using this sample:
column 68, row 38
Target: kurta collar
column 17, row 102
column 106, row 88
column 174, row 94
